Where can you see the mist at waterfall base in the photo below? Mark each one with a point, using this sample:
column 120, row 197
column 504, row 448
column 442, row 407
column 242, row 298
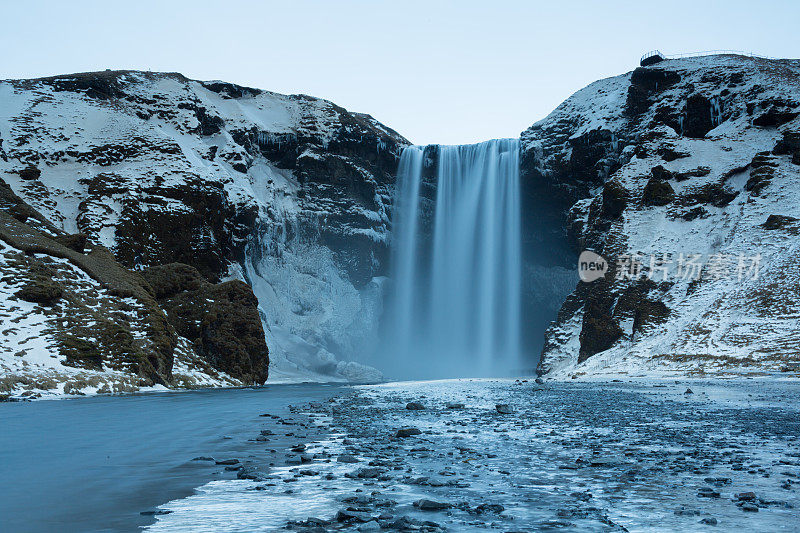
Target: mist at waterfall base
column 453, row 307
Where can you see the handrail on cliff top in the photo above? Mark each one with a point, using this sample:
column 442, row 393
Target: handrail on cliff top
column 657, row 53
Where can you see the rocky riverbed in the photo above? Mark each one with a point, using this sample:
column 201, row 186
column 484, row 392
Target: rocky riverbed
column 465, row 455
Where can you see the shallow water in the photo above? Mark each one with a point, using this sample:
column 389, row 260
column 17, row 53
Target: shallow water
column 573, row 457
column 94, row 464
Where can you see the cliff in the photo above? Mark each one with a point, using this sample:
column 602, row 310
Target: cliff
column 687, row 162
column 211, row 183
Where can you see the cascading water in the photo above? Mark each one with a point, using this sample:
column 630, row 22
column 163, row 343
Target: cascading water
column 456, row 263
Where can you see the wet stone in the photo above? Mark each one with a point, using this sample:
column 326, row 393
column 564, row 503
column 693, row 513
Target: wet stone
column 503, row 409
column 431, row 505
column 407, row 432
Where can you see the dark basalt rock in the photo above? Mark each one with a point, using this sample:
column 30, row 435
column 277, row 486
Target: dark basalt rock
column 775, row 116
column 615, row 199
column 231, row 90
column 698, row 172
column 668, row 153
column 30, row 173
column 694, row 213
column 208, row 236
column 774, row 222
column 641, row 300
column 713, row 194
column 657, row 193
column 207, row 124
column 102, row 85
column 660, row 173
column 697, row 116
column 600, row 330
column 789, row 145
column 644, row 83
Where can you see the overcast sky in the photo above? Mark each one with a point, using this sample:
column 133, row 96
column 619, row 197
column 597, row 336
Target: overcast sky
column 437, row 72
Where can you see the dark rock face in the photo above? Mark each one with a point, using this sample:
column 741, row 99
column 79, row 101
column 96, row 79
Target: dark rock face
column 762, row 169
column 231, row 90
column 645, row 83
column 697, row 116
column 221, row 320
column 713, row 194
column 97, row 85
column 600, row 331
column 789, row 145
column 30, row 173
column 777, row 114
column 615, row 199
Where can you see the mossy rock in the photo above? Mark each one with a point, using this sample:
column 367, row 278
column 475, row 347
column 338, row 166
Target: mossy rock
column 169, row 280
column 40, row 290
column 81, row 353
column 76, row 241
column 657, row 193
column 223, row 323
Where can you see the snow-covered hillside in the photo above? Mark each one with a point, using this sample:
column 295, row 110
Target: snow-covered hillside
column 289, row 193
column 699, row 159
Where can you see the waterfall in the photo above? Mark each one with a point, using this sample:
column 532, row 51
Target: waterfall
column 454, row 309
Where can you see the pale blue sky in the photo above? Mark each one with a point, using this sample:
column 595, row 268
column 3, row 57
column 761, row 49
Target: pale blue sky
column 448, row 72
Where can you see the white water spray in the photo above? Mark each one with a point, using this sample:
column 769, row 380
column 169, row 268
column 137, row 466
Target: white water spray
column 455, row 307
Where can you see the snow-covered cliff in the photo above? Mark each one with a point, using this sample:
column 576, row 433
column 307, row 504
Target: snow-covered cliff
column 696, row 158
column 288, row 193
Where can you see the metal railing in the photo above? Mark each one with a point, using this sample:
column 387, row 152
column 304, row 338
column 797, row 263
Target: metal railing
column 653, row 53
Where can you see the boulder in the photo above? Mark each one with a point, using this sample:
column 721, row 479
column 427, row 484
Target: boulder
column 774, row 222
column 657, row 193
